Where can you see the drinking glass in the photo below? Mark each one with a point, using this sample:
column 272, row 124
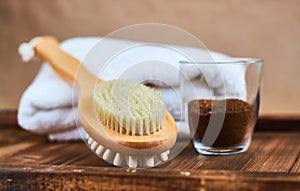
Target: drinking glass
column 221, row 102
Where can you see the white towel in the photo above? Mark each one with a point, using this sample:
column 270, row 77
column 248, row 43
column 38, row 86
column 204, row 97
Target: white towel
column 46, row 105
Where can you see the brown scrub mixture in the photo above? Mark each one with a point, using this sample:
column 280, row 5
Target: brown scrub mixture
column 239, row 120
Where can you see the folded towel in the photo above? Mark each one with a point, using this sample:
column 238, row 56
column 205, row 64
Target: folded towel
column 46, row 105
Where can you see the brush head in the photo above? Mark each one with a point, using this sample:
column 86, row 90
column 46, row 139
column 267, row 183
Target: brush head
column 140, row 111
column 128, row 107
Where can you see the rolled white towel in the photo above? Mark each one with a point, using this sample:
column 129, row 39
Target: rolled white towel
column 46, row 106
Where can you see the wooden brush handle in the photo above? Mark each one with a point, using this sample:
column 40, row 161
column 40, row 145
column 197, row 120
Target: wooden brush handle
column 65, row 65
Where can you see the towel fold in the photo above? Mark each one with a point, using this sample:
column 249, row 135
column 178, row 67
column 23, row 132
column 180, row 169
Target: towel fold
column 46, row 106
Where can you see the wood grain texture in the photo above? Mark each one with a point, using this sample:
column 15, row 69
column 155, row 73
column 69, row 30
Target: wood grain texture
column 30, row 162
column 45, row 177
column 296, row 167
column 279, row 154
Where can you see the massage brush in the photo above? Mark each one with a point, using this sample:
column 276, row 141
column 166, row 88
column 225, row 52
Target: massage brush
column 125, row 123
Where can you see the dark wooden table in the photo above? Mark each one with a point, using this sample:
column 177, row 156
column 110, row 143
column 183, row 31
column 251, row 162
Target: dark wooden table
column 30, row 162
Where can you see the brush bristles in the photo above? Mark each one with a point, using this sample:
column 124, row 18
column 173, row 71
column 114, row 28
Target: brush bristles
column 121, row 159
column 128, row 107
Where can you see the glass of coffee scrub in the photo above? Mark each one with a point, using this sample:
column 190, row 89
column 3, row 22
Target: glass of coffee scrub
column 221, row 102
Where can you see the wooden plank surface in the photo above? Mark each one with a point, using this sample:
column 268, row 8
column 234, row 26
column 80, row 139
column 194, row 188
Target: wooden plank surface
column 42, row 177
column 30, row 162
column 277, row 153
column 296, row 166
column 269, row 152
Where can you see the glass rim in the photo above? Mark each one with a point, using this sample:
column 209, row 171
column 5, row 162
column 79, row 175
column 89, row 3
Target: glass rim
column 232, row 60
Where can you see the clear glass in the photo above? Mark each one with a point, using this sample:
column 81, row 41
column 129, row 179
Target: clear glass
column 221, row 103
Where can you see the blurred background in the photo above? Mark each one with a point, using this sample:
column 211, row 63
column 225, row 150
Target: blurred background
column 262, row 29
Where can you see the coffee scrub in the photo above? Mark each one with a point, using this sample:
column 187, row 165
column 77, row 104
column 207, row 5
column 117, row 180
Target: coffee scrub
column 238, row 121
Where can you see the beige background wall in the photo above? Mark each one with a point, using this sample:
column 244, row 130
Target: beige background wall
column 264, row 29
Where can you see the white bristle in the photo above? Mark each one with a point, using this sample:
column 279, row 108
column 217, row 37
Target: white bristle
column 148, row 161
column 132, row 161
column 163, row 156
column 94, row 145
column 153, row 123
column 122, row 110
column 100, row 150
column 87, row 136
column 147, row 128
column 90, row 140
column 141, row 129
column 108, row 155
column 133, row 127
column 118, row 159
